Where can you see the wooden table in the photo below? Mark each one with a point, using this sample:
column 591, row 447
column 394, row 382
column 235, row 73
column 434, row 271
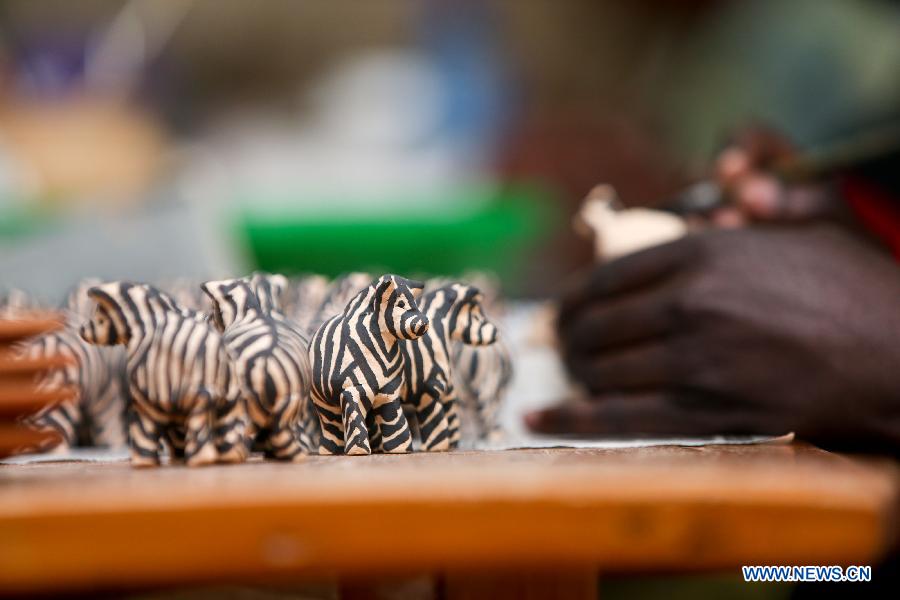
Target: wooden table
column 526, row 523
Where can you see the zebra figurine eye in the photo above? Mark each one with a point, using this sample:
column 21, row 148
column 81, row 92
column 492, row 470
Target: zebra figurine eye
column 401, row 304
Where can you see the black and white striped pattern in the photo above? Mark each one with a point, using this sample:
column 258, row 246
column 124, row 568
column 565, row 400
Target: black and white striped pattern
column 358, row 368
column 455, row 315
column 180, row 381
column 481, row 376
column 270, row 358
column 95, row 416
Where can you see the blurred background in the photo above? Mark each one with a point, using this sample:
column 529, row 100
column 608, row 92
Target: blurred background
column 151, row 140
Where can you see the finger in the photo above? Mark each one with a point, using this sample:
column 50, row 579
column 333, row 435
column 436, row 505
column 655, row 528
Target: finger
column 627, row 273
column 649, row 413
column 759, row 196
column 620, row 320
column 765, row 198
column 643, row 366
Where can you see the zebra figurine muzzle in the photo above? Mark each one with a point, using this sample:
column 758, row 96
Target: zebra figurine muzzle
column 179, row 378
column 270, row 358
column 455, row 313
column 358, row 368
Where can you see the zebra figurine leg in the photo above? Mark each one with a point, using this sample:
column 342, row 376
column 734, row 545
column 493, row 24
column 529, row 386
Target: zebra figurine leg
column 106, row 417
column 451, row 407
column 375, row 439
column 354, row 409
column 488, row 420
column 199, row 446
column 394, row 435
column 144, row 436
column 233, row 432
column 287, row 441
column 331, row 425
column 433, row 426
column 175, row 436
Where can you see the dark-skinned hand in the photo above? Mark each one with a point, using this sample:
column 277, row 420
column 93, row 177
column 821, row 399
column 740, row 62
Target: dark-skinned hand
column 756, row 330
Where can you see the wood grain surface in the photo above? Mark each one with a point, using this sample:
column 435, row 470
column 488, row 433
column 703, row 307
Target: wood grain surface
column 83, row 525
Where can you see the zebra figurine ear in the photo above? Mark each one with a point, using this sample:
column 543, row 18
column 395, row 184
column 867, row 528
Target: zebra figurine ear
column 211, row 291
column 384, row 285
column 279, row 285
column 416, row 287
column 104, row 293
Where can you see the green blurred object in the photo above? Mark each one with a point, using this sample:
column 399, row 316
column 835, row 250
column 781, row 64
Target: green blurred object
column 17, row 222
column 483, row 228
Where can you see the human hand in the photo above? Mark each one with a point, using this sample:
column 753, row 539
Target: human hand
column 757, row 330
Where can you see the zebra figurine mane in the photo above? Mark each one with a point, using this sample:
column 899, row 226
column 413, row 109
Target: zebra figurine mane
column 357, row 368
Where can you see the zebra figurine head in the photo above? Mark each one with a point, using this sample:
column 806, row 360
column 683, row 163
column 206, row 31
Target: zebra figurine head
column 271, row 290
column 77, row 305
column 393, row 303
column 461, row 305
column 123, row 311
column 231, row 300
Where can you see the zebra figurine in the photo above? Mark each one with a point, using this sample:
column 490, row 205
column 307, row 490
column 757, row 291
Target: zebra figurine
column 455, row 314
column 481, row 377
column 270, row 359
column 95, row 416
column 179, row 378
column 358, row 368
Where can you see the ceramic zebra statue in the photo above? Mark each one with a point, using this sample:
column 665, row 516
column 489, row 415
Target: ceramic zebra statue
column 358, row 369
column 455, row 314
column 481, row 374
column 179, row 378
column 95, row 416
column 481, row 377
column 270, row 359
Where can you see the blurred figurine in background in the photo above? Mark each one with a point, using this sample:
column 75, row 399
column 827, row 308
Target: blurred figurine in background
column 454, row 315
column 96, row 416
column 618, row 231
